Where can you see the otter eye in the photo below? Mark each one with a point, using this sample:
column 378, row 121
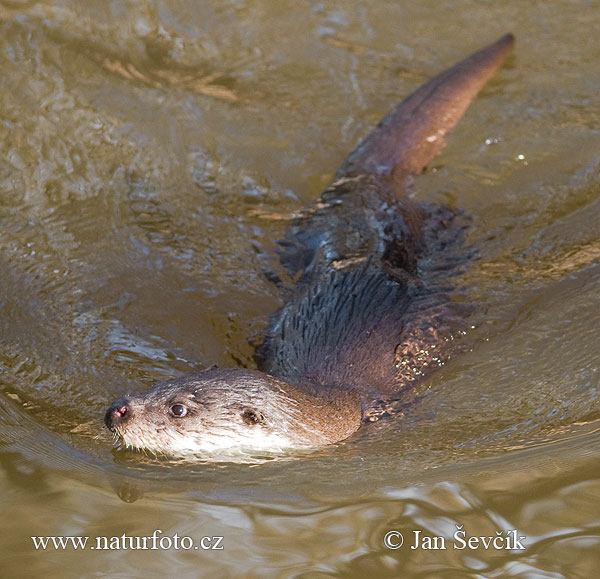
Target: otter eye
column 178, row 410
column 250, row 416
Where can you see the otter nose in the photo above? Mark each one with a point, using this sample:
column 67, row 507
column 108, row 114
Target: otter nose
column 118, row 412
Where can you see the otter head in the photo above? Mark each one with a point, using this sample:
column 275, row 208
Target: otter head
column 231, row 409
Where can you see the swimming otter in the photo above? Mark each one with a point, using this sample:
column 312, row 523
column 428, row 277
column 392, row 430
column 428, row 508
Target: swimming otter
column 370, row 311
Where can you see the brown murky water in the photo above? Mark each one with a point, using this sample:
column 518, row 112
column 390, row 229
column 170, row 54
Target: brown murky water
column 150, row 153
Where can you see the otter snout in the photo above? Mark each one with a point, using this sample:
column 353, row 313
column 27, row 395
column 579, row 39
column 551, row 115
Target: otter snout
column 118, row 413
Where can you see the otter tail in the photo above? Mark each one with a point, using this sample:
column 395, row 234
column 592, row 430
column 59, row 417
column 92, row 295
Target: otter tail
column 412, row 133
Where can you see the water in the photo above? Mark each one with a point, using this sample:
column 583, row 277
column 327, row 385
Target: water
column 151, row 153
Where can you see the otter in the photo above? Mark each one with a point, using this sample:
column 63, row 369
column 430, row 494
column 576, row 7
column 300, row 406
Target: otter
column 370, row 311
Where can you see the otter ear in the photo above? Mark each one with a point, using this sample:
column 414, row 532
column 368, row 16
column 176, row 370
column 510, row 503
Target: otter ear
column 251, row 416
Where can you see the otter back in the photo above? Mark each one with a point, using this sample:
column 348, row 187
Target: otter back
column 371, row 307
